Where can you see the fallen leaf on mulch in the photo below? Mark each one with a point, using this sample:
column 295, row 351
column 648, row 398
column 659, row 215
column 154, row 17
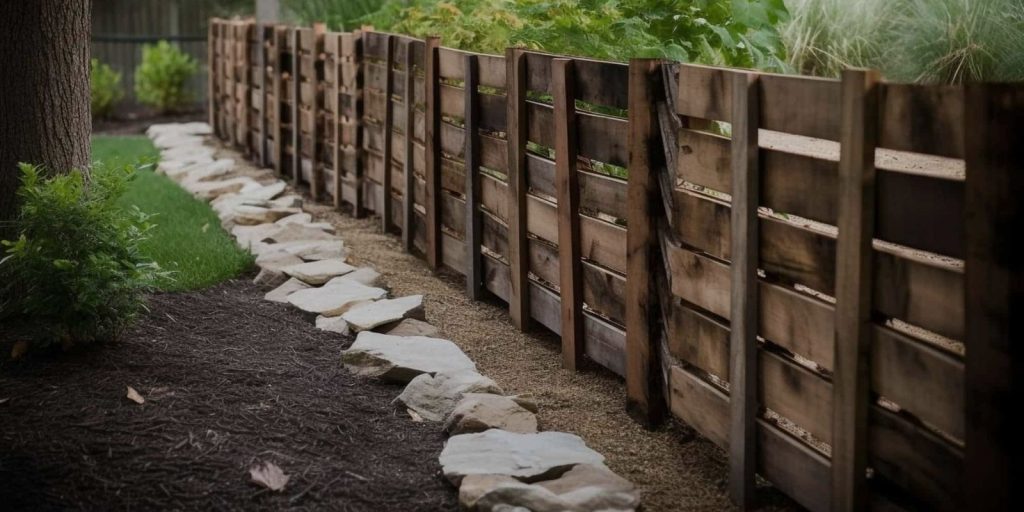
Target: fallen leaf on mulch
column 269, row 475
column 134, row 396
column 19, row 349
column 415, row 416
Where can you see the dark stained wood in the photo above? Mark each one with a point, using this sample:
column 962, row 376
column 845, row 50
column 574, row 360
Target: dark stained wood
column 854, row 265
column 568, row 194
column 922, row 119
column 994, row 291
column 408, row 158
column 433, row 159
column 643, row 375
column 293, row 38
column 743, row 298
column 384, row 200
column 474, row 224
column 518, row 297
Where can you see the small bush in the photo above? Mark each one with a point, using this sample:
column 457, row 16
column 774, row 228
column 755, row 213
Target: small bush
column 105, row 87
column 161, row 80
column 75, row 273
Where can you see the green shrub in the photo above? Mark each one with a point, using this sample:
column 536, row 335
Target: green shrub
column 75, row 273
column 161, row 80
column 105, row 85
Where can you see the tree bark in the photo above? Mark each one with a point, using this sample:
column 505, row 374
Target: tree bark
column 44, row 90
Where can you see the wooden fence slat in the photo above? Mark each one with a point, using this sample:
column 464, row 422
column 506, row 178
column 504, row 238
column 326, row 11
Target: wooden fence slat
column 744, row 294
column 643, row 367
column 518, row 258
column 433, row 159
column 568, row 194
column 852, row 371
column 994, row 291
column 474, row 223
column 410, row 147
column 384, row 200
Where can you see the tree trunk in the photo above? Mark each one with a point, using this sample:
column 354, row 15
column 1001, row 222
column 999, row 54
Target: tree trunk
column 44, row 90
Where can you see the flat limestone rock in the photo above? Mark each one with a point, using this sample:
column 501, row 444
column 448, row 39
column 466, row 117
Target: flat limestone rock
column 383, row 312
column 308, row 250
column 526, row 457
column 246, row 236
column 281, row 293
column 298, row 218
column 478, row 412
column 335, row 300
column 208, row 172
column 277, row 260
column 289, row 201
column 297, row 232
column 589, row 475
column 270, row 278
column 473, row 487
column 318, row 272
column 207, row 190
column 361, row 275
column 414, row 327
column 266, row 192
column 172, row 164
column 332, row 324
column 246, row 215
column 402, row 358
column 435, row 396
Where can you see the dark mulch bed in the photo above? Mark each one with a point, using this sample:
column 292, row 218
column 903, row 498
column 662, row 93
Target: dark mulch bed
column 229, row 380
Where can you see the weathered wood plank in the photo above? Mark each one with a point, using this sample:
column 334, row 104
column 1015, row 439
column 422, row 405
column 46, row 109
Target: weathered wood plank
column 518, row 297
column 474, row 224
column 433, row 159
column 568, row 194
column 922, row 118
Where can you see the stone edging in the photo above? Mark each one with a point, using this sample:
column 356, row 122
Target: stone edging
column 495, row 454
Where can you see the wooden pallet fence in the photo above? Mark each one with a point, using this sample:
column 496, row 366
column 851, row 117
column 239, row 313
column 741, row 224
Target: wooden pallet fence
column 783, row 270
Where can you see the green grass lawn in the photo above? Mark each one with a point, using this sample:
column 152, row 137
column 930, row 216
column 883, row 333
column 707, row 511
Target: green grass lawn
column 188, row 239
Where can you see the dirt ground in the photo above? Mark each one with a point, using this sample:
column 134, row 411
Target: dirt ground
column 675, row 468
column 229, row 381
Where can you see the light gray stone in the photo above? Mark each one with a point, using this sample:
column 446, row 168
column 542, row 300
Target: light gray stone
column 277, row 260
column 335, row 300
column 281, row 293
column 332, row 324
column 362, row 275
column 298, row 218
column 297, row 232
column 246, row 215
column 246, row 236
column 207, row 190
column 402, row 358
column 383, row 312
column 264, row 192
column 585, row 476
column 435, row 396
column 478, row 412
column 208, row 172
column 289, row 201
column 475, row 486
column 414, row 327
column 270, row 278
column 318, row 272
column 527, row 457
column 309, row 250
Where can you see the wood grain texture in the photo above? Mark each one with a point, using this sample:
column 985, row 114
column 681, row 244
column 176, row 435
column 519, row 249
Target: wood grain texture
column 474, row 223
column 568, row 194
column 854, row 279
column 433, row 152
column 518, row 297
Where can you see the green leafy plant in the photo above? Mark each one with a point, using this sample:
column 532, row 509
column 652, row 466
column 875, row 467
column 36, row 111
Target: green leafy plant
column 161, row 80
column 105, row 86
column 75, row 272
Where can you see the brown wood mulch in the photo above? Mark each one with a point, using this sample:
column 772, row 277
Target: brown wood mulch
column 229, row 381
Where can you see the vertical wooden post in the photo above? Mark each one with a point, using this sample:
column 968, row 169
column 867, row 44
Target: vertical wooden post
column 432, row 201
column 408, row 210
column 242, row 67
column 851, row 380
column 474, row 233
column 384, row 194
column 744, row 296
column 518, row 246
column 296, row 117
column 644, row 400
column 316, row 175
column 335, row 61
column 994, row 115
column 567, row 189
column 356, row 180
column 211, row 76
column 279, row 35
column 261, row 79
